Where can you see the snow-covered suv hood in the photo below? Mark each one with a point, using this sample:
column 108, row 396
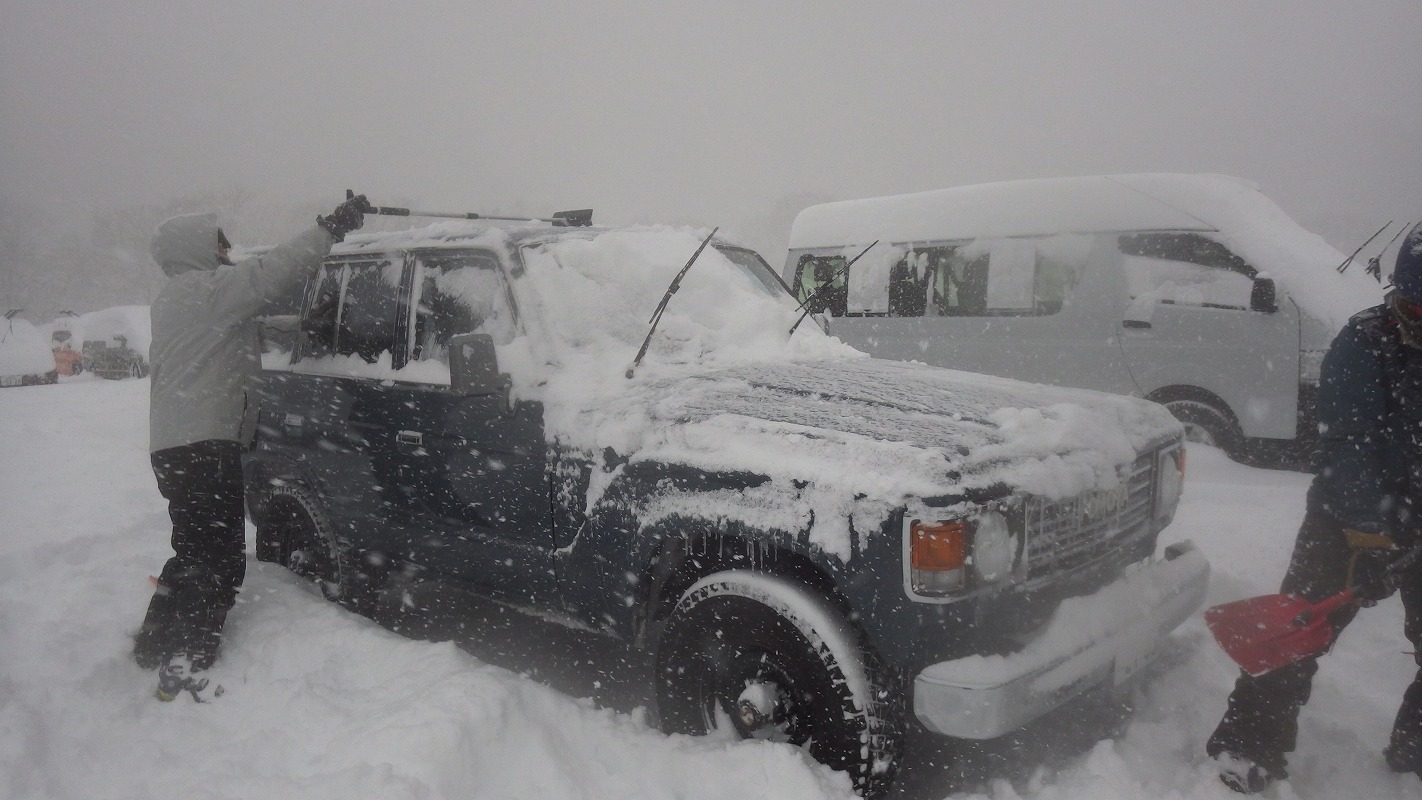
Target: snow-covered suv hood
column 888, row 429
column 843, row 444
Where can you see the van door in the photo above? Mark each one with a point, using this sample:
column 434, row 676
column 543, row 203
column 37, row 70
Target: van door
column 1190, row 324
column 1036, row 309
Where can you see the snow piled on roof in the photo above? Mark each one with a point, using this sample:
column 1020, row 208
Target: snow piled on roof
column 23, row 350
column 1304, row 265
column 1254, row 227
column 131, row 322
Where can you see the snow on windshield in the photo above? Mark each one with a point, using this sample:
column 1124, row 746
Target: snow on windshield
column 594, row 299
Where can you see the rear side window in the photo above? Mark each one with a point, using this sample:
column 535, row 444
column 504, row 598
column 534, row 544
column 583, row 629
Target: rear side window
column 354, row 310
column 461, row 292
column 1187, row 269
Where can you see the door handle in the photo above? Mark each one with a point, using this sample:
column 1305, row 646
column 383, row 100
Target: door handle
column 1138, row 324
column 410, row 437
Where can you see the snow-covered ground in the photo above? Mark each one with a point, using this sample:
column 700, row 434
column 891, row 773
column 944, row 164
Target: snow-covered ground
column 323, row 703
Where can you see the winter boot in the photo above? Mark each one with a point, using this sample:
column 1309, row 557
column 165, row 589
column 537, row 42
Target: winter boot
column 178, row 675
column 1245, row 776
column 1404, row 750
column 155, row 638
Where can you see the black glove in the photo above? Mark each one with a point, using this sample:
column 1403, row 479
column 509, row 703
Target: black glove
column 347, row 217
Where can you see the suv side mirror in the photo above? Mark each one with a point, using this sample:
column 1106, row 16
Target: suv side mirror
column 473, row 366
column 1263, row 296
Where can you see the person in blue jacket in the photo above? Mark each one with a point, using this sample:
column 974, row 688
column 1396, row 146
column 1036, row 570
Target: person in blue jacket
column 1361, row 515
column 205, row 353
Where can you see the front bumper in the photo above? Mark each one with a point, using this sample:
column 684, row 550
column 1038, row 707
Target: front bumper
column 1089, row 641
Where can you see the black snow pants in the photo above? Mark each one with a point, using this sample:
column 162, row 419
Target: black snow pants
column 1261, row 723
column 202, row 483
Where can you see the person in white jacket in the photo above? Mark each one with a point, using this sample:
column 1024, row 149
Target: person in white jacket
column 204, row 354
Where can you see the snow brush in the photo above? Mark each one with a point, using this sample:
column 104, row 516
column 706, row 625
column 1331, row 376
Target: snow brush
column 580, row 218
column 1262, row 634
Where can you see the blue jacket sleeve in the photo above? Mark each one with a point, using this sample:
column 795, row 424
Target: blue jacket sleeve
column 1351, row 483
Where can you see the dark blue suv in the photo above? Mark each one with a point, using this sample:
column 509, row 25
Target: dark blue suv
column 818, row 547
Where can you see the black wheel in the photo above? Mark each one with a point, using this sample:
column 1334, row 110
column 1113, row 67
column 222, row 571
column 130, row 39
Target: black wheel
column 751, row 656
column 1207, row 424
column 294, row 530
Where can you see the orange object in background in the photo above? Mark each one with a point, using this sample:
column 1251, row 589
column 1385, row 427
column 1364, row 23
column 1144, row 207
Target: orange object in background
column 68, row 361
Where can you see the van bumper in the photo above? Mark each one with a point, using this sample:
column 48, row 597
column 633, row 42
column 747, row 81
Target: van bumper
column 1090, row 641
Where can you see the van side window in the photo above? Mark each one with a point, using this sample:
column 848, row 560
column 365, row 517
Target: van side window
column 1004, row 277
column 1188, row 269
column 822, row 278
column 458, row 293
column 959, row 280
column 353, row 310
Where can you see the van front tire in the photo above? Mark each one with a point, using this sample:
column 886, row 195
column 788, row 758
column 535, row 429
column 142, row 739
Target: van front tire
column 1208, row 425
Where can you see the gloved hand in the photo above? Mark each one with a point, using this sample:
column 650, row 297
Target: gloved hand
column 347, row 217
column 1370, row 556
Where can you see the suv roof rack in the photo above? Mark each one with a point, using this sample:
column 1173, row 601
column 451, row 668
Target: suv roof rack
column 578, row 218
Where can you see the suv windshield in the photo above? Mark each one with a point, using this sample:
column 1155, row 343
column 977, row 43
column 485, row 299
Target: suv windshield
column 755, row 267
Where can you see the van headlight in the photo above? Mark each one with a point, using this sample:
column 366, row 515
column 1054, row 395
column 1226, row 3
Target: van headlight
column 954, row 555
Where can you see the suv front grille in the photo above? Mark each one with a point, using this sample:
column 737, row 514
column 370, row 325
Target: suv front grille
column 1065, row 534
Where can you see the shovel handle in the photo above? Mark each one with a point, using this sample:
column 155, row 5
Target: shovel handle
column 1330, row 604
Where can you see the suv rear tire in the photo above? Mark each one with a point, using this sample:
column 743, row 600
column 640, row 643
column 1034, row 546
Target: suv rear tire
column 294, row 528
column 748, row 655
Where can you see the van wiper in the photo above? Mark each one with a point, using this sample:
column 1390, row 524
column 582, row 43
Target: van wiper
column 666, row 298
column 1349, row 260
column 843, row 271
column 1374, row 267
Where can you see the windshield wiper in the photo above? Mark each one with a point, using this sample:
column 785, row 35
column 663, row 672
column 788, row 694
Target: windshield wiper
column 666, row 298
column 843, row 271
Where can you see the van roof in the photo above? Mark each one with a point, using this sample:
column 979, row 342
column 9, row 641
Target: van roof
column 1037, row 207
column 1234, row 210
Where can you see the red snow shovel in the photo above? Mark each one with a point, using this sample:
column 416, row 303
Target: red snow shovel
column 1262, row 634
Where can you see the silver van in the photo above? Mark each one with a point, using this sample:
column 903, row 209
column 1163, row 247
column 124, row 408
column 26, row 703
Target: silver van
column 1195, row 291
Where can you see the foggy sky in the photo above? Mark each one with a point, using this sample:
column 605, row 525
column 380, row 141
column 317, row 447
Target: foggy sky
column 720, row 112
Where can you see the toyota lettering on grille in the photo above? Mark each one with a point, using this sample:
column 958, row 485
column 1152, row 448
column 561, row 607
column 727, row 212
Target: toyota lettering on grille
column 1105, row 503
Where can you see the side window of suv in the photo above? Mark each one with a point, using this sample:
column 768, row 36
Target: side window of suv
column 1187, row 269
column 459, row 292
column 354, row 310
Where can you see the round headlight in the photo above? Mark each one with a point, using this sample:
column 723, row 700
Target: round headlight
column 994, row 548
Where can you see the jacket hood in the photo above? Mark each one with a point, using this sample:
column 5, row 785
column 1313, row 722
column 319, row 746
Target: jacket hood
column 186, row 242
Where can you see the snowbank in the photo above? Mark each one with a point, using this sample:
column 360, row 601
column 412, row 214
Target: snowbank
column 323, row 703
